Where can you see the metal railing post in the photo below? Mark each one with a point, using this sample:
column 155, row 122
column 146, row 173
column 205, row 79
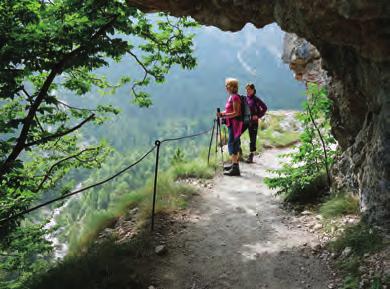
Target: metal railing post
column 157, row 143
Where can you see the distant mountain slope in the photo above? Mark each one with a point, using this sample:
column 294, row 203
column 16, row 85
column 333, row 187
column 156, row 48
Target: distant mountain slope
column 251, row 55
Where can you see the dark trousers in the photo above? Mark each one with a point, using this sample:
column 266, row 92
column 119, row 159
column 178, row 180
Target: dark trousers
column 252, row 130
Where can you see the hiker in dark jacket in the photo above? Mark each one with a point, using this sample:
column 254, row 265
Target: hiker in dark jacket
column 258, row 109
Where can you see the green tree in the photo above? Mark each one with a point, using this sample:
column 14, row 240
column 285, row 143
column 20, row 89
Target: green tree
column 302, row 176
column 49, row 49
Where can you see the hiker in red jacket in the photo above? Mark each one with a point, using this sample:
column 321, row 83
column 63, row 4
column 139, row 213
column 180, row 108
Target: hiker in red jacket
column 258, row 109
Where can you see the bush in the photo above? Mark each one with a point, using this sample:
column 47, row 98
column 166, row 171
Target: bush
column 298, row 185
column 306, row 175
column 340, row 205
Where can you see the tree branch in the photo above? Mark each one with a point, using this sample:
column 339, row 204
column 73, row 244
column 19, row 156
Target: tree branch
column 7, row 165
column 39, row 124
column 322, row 142
column 48, row 173
column 60, row 134
column 141, row 63
column 73, row 107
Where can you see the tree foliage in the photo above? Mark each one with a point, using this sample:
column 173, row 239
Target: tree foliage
column 304, row 172
column 49, row 49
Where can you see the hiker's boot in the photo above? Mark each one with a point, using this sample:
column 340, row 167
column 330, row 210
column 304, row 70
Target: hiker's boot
column 234, row 171
column 227, row 167
column 249, row 160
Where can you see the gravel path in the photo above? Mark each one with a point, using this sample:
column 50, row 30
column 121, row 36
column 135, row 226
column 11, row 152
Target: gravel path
column 236, row 236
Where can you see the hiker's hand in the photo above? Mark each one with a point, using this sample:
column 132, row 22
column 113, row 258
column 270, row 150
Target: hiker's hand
column 219, row 114
column 255, row 117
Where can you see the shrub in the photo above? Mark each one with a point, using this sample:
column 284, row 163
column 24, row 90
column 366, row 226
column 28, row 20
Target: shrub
column 304, row 173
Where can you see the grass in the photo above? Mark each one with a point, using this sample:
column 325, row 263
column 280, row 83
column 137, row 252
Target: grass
column 341, row 204
column 361, row 238
column 351, row 282
column 277, row 139
column 111, row 265
column 171, row 196
column 108, row 265
column 350, row 266
column 271, row 134
column 194, row 169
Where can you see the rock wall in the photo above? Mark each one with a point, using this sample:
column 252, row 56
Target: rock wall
column 353, row 38
column 304, row 60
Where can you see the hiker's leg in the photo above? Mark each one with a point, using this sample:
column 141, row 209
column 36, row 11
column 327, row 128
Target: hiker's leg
column 230, row 140
column 236, row 150
column 252, row 136
column 235, row 169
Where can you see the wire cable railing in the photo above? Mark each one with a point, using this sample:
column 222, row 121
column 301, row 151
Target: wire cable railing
column 156, row 147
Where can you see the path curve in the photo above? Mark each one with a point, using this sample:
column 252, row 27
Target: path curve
column 238, row 237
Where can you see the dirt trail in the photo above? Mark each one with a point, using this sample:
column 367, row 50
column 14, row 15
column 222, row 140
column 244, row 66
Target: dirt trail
column 238, row 237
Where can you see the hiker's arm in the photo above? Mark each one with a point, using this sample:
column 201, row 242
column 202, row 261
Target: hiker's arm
column 263, row 107
column 236, row 110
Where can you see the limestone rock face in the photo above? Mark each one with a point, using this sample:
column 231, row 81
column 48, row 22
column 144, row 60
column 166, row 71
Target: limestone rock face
column 353, row 39
column 304, row 59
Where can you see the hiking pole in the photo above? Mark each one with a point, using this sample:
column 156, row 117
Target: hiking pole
column 216, row 137
column 219, row 132
column 211, row 142
column 220, row 140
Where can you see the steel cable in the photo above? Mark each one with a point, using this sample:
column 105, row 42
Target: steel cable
column 101, row 182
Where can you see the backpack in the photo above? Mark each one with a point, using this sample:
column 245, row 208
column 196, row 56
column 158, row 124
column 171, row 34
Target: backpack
column 245, row 110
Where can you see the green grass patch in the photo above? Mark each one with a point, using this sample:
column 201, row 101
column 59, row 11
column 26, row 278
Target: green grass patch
column 340, row 205
column 351, row 282
column 107, row 265
column 350, row 266
column 271, row 134
column 361, row 238
column 171, row 196
column 278, row 139
column 197, row 168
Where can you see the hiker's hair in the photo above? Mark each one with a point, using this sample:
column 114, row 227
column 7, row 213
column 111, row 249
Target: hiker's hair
column 232, row 84
column 251, row 86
